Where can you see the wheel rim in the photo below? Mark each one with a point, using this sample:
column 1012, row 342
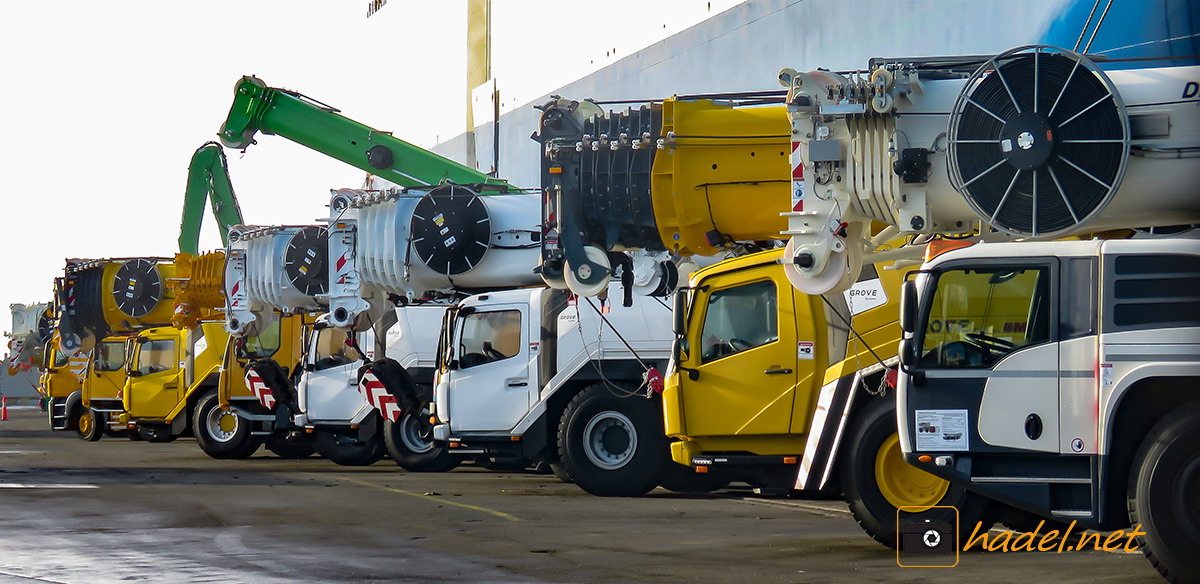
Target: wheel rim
column 410, row 436
column 85, row 423
column 1185, row 496
column 902, row 484
column 221, row 425
column 609, row 440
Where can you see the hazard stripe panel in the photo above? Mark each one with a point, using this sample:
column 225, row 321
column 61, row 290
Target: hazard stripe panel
column 378, row 397
column 265, row 396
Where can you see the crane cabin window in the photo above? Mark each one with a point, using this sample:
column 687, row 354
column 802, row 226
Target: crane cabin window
column 977, row 316
column 331, row 350
column 110, row 356
column 738, row 319
column 488, row 337
column 156, row 356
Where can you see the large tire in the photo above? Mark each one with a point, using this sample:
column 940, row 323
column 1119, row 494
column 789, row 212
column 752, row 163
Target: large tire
column 678, row 478
column 410, row 448
column 346, row 452
column 561, row 472
column 876, row 480
column 221, row 433
column 612, row 446
column 88, row 424
column 290, row 449
column 1164, row 487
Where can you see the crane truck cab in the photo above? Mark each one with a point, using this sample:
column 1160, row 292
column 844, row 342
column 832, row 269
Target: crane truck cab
column 535, row 374
column 1061, row 378
column 99, row 407
column 61, row 382
column 786, row 391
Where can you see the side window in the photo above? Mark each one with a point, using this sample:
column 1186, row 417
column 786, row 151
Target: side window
column 331, row 350
column 738, row 319
column 488, row 337
column 110, row 356
column 264, row 344
column 156, row 356
column 977, row 317
column 60, row 359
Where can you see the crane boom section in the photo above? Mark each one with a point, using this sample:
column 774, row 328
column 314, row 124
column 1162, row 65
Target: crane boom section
column 208, row 178
column 258, row 108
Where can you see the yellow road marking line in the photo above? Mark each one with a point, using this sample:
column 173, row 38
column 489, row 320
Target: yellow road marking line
column 499, row 514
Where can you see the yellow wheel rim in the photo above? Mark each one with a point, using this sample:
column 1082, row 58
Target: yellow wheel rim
column 85, row 423
column 228, row 422
column 902, row 484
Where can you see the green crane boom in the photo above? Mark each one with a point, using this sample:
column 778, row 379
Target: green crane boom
column 258, row 108
column 208, row 179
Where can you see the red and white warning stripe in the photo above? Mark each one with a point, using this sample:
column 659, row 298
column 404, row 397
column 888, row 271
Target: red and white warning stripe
column 797, row 178
column 265, row 396
column 377, row 395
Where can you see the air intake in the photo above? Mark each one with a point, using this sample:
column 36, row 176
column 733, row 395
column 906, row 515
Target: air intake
column 1038, row 141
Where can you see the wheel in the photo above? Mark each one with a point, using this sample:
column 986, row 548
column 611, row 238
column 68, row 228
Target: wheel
column 612, row 446
column 88, row 424
column 409, row 444
column 220, row 433
column 289, row 448
column 561, row 472
column 1164, row 486
column 346, row 451
column 156, row 433
column 678, row 478
column 877, row 481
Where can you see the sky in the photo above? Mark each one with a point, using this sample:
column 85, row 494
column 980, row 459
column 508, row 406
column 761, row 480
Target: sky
column 104, row 103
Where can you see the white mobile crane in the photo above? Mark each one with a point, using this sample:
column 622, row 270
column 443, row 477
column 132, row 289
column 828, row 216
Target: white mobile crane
column 1057, row 377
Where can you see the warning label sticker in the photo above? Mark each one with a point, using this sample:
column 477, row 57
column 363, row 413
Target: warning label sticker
column 806, row 350
column 942, row 430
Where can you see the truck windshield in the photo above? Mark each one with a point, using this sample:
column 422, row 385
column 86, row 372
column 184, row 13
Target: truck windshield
column 331, row 350
column 110, row 356
column 156, row 356
column 977, row 316
column 738, row 319
column 488, row 337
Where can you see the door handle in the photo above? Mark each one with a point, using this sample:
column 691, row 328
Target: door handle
column 518, row 383
column 777, row 371
column 171, row 386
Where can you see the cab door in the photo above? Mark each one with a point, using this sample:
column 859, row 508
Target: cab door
column 328, row 390
column 742, row 350
column 490, row 388
column 155, row 376
column 106, row 372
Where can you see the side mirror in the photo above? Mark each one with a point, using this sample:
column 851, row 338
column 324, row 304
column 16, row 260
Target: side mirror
column 908, row 306
column 679, row 313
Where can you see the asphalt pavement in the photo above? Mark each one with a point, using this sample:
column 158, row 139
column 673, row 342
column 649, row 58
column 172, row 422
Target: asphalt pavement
column 117, row 510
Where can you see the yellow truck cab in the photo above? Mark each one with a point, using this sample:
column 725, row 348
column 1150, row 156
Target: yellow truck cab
column 168, row 372
column 99, row 410
column 789, row 391
column 60, row 382
column 238, row 419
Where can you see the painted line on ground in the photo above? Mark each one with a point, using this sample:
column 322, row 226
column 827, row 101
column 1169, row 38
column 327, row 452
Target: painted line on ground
column 46, row 486
column 499, row 514
column 22, row 451
column 799, row 506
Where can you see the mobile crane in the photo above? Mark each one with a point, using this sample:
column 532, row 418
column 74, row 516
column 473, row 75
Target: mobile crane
column 1051, row 376
column 1055, row 376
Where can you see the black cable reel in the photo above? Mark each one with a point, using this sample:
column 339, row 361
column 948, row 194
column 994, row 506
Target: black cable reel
column 1038, row 141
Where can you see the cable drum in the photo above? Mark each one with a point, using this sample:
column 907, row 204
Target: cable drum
column 82, row 323
column 306, row 260
column 1039, row 141
column 137, row 287
column 451, row 230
